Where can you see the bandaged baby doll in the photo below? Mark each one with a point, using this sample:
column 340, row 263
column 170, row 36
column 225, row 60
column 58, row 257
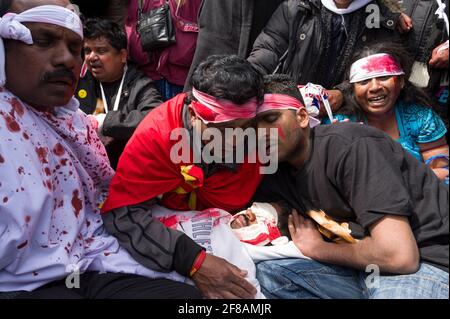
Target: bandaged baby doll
column 259, row 229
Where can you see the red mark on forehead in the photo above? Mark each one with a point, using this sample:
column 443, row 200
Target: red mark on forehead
column 395, row 80
column 77, row 204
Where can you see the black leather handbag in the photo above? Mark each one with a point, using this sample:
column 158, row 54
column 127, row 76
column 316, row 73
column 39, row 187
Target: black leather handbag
column 155, row 27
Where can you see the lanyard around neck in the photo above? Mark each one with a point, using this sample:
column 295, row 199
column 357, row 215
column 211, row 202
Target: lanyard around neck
column 119, row 93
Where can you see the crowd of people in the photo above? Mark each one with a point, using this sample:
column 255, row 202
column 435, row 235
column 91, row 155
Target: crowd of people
column 117, row 164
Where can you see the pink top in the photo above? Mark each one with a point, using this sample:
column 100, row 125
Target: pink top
column 174, row 61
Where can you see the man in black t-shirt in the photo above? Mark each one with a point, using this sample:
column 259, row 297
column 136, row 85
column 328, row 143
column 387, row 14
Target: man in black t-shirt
column 356, row 174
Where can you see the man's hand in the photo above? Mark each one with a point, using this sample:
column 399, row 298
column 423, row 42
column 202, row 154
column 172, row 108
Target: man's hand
column 218, row 279
column 304, row 234
column 439, row 57
column 405, row 23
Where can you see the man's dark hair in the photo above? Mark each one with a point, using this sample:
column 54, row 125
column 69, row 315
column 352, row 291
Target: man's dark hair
column 282, row 84
column 228, row 77
column 97, row 28
column 410, row 93
column 4, row 6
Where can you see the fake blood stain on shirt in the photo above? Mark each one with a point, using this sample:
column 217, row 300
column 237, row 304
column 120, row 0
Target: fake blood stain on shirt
column 77, row 204
column 22, row 245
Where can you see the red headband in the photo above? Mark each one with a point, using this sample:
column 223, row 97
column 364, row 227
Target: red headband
column 279, row 101
column 211, row 110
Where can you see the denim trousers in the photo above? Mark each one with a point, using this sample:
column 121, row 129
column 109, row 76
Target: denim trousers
column 308, row 279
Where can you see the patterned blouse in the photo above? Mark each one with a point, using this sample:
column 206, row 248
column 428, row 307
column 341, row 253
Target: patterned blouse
column 416, row 124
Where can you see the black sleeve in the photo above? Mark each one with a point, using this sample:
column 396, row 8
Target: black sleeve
column 272, row 42
column 369, row 174
column 151, row 243
column 121, row 124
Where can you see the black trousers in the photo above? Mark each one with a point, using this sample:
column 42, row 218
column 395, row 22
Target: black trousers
column 110, row 285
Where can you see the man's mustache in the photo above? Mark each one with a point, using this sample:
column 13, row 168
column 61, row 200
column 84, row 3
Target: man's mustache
column 58, row 74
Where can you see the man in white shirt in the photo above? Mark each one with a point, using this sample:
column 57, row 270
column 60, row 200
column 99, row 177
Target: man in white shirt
column 54, row 172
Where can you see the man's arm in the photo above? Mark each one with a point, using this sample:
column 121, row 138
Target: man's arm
column 161, row 248
column 436, row 148
column 391, row 245
column 368, row 175
column 150, row 242
column 272, row 42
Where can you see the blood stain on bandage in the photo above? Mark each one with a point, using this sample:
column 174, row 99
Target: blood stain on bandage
column 377, row 63
column 77, row 204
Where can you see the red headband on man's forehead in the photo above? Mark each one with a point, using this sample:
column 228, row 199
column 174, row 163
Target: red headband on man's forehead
column 280, row 102
column 212, row 110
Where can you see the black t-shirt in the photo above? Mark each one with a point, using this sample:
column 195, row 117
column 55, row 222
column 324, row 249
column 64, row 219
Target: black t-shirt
column 358, row 174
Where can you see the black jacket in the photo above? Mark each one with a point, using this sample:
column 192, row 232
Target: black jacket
column 428, row 31
column 229, row 27
column 139, row 96
column 292, row 41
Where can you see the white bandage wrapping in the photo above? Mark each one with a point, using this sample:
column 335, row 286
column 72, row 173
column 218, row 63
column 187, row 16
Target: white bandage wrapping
column 11, row 26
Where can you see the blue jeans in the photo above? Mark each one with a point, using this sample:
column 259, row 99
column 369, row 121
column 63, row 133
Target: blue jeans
column 428, row 282
column 309, row 279
column 167, row 89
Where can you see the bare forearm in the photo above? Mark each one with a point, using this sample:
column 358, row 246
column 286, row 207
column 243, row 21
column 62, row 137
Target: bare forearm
column 360, row 255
